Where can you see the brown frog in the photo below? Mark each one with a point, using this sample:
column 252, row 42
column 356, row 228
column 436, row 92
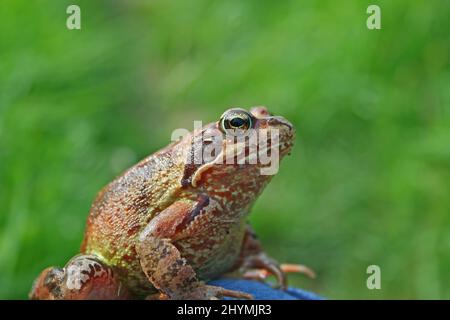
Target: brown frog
column 170, row 223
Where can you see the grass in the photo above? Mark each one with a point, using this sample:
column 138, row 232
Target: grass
column 367, row 182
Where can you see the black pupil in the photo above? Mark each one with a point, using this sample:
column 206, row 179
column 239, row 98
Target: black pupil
column 237, row 122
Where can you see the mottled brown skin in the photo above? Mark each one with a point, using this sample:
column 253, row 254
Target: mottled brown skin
column 164, row 226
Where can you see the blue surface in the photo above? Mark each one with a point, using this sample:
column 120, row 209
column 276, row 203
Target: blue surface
column 262, row 291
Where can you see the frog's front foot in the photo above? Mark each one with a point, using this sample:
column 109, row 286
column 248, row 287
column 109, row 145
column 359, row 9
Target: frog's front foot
column 203, row 292
column 161, row 261
column 208, row 292
column 83, row 277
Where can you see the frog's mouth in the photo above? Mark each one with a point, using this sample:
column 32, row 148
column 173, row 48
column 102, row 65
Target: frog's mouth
column 243, row 154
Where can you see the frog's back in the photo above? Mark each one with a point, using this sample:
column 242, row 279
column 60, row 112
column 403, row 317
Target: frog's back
column 123, row 208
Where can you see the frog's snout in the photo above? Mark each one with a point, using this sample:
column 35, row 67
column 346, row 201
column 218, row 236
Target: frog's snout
column 280, row 121
column 286, row 132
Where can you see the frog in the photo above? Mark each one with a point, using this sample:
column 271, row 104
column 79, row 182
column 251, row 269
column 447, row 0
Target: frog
column 167, row 225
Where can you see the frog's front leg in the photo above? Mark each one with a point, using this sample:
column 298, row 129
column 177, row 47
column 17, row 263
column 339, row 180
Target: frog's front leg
column 256, row 264
column 162, row 262
column 84, row 277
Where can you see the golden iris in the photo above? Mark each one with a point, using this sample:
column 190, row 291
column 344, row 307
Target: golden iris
column 236, row 119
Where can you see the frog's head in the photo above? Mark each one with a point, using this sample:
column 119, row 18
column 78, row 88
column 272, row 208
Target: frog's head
column 237, row 155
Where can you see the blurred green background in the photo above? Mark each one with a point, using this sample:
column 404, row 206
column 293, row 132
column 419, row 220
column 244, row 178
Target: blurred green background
column 368, row 181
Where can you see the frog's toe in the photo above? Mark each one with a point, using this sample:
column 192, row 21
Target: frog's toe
column 157, row 296
column 275, row 269
column 256, row 274
column 279, row 272
column 298, row 268
column 222, row 292
column 260, row 266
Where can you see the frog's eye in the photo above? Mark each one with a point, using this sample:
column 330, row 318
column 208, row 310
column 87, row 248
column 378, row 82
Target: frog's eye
column 236, row 119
